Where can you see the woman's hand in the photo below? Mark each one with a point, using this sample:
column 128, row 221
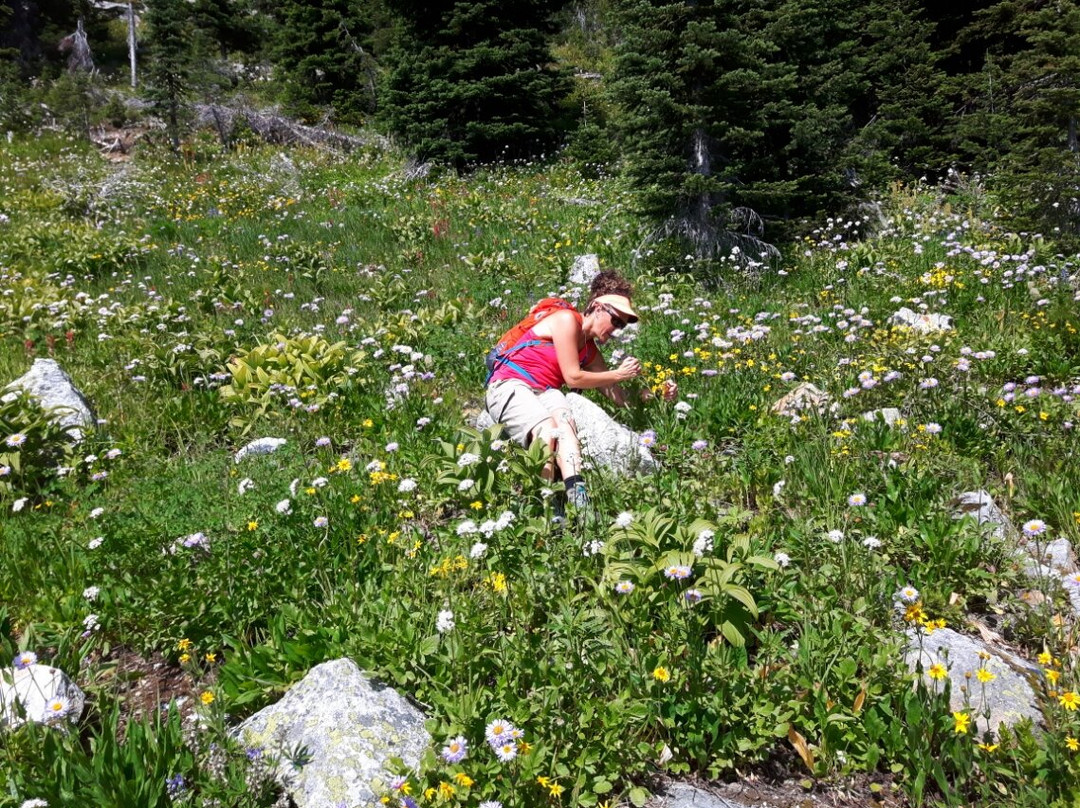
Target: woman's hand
column 628, row 369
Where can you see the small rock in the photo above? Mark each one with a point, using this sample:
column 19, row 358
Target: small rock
column 980, row 506
column 42, row 693
column 48, row 384
column 261, row 446
column 805, row 397
column 1058, row 554
column 921, row 323
column 350, row 726
column 586, row 267
column 890, row 415
column 684, row 795
column 1009, row 695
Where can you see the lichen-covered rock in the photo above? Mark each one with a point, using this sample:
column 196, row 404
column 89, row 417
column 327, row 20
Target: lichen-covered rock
column 1009, row 695
column 921, row 323
column 981, row 507
column 806, row 398
column 48, row 384
column 349, row 726
column 38, row 693
column 260, row 446
column 605, row 443
column 586, row 267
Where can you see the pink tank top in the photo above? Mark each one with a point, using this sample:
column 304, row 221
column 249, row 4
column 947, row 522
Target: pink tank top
column 537, row 365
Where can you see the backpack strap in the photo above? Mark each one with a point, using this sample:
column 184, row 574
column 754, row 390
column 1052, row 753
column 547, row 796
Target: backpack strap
column 503, row 358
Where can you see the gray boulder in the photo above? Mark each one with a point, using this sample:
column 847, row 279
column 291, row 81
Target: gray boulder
column 605, row 443
column 981, row 507
column 350, row 728
column 1009, row 695
column 585, row 268
column 38, row 693
column 48, row 384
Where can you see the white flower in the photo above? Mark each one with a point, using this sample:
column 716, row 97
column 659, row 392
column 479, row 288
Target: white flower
column 245, row 485
column 392, row 447
column 703, row 543
column 778, row 488
column 467, row 527
column 93, row 544
column 37, row 802
column 468, row 459
column 406, row 486
column 783, row 559
column 624, row 519
column 871, row 542
column 488, row 528
column 682, row 406
column 857, row 500
column 908, row 595
column 321, row 521
column 284, row 507
column 293, row 486
column 835, row 536
column 465, row 485
column 445, row 621
column 320, row 482
column 91, row 623
column 478, row 550
column 91, row 592
column 18, row 504
column 624, row 587
column 506, row 518
column 592, row 548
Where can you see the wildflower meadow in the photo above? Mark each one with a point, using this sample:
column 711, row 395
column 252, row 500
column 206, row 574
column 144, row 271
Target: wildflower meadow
column 743, row 610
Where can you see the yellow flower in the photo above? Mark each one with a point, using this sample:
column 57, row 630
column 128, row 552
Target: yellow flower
column 1045, row 658
column 253, row 525
column 463, row 779
column 543, row 781
column 343, row 465
column 367, row 423
column 1072, row 743
column 1070, row 701
column 661, row 674
column 498, row 582
column 937, row 671
column 211, row 658
column 988, row 747
column 555, row 789
column 962, row 720
column 524, row 747
column 446, row 791
column 984, row 675
column 185, row 658
column 1052, row 676
column 477, row 505
column 354, row 498
column 207, row 697
column 183, row 645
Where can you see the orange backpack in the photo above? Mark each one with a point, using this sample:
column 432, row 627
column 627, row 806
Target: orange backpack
column 511, row 341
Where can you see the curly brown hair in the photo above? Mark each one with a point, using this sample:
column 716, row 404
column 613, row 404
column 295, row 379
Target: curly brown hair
column 610, row 282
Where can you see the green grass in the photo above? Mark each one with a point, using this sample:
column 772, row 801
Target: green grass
column 151, row 281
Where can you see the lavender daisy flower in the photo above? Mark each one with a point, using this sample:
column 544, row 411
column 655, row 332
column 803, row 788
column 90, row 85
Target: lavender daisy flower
column 455, row 750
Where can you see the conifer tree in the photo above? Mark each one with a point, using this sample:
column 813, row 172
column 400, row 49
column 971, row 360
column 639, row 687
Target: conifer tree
column 688, row 83
column 470, row 81
column 169, row 46
column 322, row 49
column 1040, row 172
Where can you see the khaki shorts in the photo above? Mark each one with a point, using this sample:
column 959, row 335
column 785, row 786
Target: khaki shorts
column 520, row 408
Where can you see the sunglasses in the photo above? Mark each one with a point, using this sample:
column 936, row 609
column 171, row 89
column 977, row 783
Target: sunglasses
column 616, row 320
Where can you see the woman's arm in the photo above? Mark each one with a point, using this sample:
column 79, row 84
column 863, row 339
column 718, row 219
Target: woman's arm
column 565, row 330
column 613, row 392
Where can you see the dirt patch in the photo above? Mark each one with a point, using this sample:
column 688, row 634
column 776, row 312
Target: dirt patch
column 143, row 685
column 778, row 791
